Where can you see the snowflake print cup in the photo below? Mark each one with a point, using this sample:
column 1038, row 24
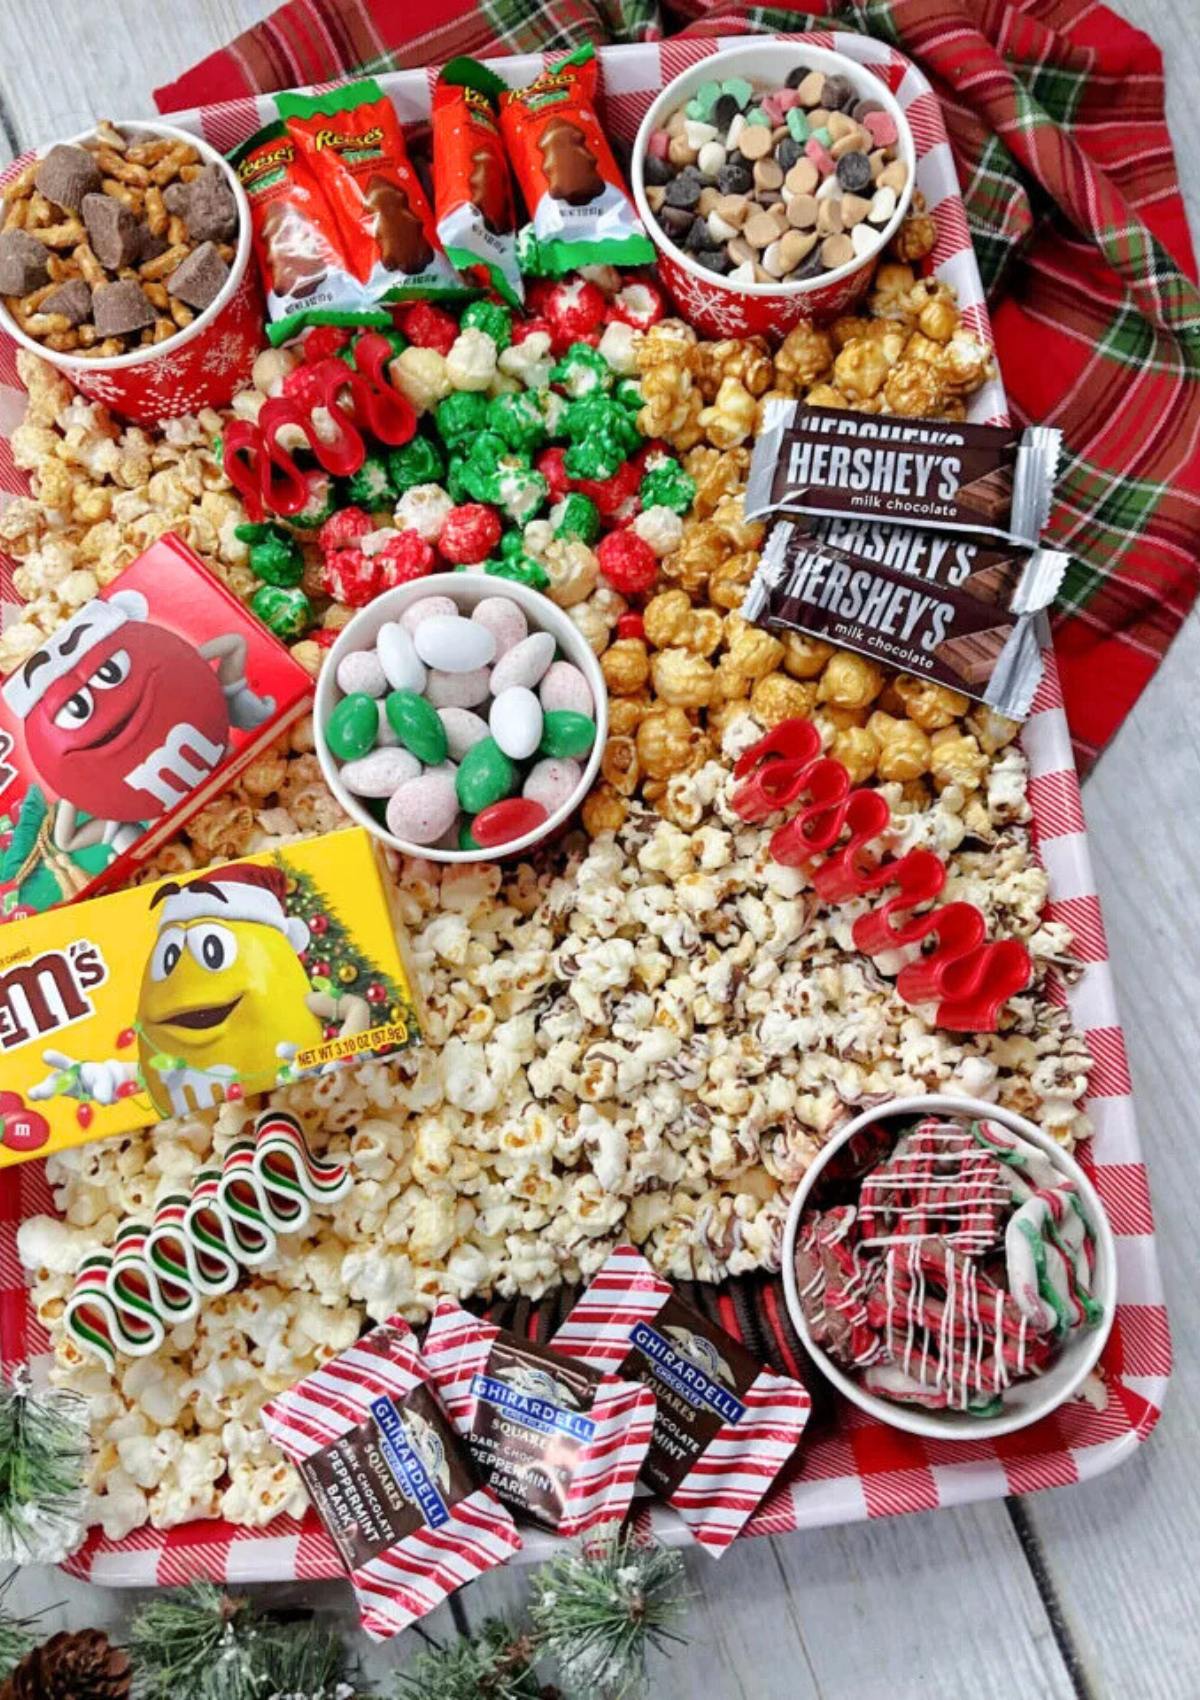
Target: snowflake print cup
column 203, row 365
column 1025, row 1402
column 709, row 301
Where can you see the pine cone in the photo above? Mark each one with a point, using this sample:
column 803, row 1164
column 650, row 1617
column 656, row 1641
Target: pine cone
column 83, row 1666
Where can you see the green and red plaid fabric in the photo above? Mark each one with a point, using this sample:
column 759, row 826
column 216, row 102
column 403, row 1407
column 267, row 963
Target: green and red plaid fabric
column 1055, row 112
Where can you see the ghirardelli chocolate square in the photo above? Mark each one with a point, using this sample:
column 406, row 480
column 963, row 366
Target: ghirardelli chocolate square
column 559, row 1442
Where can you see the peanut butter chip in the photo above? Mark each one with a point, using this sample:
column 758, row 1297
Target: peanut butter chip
column 829, row 217
column 734, row 209
column 803, row 178
column 802, row 211
column 760, row 230
column 739, row 251
column 768, row 174
column 795, row 246
column 854, row 210
column 836, row 250
column 755, row 141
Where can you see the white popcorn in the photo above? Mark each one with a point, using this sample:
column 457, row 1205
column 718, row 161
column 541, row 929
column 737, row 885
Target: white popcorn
column 529, row 361
column 661, row 527
column 423, row 509
column 471, row 362
column 616, row 348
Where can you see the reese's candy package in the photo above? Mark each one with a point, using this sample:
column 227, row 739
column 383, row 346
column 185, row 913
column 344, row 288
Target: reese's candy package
column 390, row 1479
column 725, row 1425
column 472, row 187
column 306, row 276
column 581, row 211
column 559, row 1442
column 353, row 143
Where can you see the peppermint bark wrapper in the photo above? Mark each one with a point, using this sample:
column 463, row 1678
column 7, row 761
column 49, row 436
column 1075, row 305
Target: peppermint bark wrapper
column 390, row 1479
column 725, row 1425
column 984, row 645
column 982, row 480
column 557, row 1441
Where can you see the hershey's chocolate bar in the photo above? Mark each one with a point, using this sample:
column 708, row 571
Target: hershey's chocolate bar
column 986, row 480
column 984, row 647
column 989, row 571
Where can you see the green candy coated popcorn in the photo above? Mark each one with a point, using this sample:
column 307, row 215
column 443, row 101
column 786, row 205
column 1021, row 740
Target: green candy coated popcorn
column 319, row 506
column 595, row 416
column 284, row 609
column 518, row 419
column 484, row 775
column 576, row 515
column 371, row 486
column 419, row 461
column 218, row 447
column 520, row 491
column 460, row 416
column 597, row 457
column 797, row 122
column 489, row 447
column 521, row 569
column 565, row 733
column 629, row 393
column 417, row 725
column 252, row 532
column 666, row 485
column 512, row 545
column 276, row 557
column 488, row 316
column 455, row 487
column 353, row 726
column 582, row 371
column 740, row 89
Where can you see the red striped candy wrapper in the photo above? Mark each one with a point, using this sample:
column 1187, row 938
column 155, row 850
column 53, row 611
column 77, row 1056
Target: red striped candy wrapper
column 725, row 1426
column 390, row 1480
column 557, row 1441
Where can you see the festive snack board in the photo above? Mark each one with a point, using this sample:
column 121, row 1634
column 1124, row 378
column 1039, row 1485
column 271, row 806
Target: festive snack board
column 703, row 400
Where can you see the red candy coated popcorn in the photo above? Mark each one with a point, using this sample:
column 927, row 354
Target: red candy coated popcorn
column 403, row 558
column 627, row 562
column 324, row 637
column 429, row 327
column 349, row 576
column 550, row 464
column 325, row 340
column 575, row 312
column 523, row 328
column 631, row 625
column 344, row 528
column 639, row 303
column 469, row 533
column 509, row 819
column 611, row 494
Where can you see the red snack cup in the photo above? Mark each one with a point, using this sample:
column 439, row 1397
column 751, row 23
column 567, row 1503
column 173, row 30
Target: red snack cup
column 559, row 1442
column 472, row 188
column 727, row 1426
column 368, row 1430
column 581, row 211
column 354, row 146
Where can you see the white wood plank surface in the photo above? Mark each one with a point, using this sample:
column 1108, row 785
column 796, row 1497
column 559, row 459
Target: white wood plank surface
column 1093, row 1595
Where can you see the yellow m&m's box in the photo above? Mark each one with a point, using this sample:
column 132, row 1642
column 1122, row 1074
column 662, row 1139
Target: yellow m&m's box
column 178, row 996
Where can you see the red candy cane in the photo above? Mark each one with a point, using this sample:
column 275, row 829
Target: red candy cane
column 969, row 978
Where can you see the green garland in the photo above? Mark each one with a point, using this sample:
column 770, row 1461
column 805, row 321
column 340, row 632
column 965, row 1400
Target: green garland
column 44, row 1450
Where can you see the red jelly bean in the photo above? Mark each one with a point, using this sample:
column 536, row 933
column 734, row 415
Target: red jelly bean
column 502, row 822
column 631, row 625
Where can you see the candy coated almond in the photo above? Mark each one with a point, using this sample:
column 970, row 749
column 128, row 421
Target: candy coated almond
column 423, row 809
column 425, row 609
column 350, row 731
column 463, row 728
column 564, row 686
column 506, row 621
column 360, row 673
column 453, row 644
column 516, row 722
column 457, row 690
column 402, row 666
column 380, row 773
column 415, row 723
column 524, row 664
column 552, row 782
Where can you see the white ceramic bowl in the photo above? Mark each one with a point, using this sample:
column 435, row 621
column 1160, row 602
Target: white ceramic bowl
column 207, row 375
column 465, row 589
column 1026, row 1401
column 705, row 297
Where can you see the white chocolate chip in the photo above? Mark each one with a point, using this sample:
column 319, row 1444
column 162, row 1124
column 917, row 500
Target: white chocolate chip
column 735, row 130
column 697, row 133
column 711, row 158
column 719, row 229
column 883, row 205
column 865, row 240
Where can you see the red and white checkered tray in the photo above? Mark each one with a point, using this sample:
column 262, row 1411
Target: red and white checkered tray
column 861, row 1468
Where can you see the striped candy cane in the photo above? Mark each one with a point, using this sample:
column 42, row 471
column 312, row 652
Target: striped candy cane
column 134, row 1293
column 173, row 1259
column 90, row 1317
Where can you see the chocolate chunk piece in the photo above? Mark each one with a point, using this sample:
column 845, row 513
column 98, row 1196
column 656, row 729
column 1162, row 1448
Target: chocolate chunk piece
column 72, row 299
column 713, row 259
column 796, row 76
column 838, row 94
column 175, row 199
column 22, row 263
column 112, row 231
column 676, row 221
column 685, row 191
column 66, row 175
column 200, row 279
column 207, row 207
column 657, row 172
column 854, row 172
column 121, row 308
column 149, row 246
column 735, row 176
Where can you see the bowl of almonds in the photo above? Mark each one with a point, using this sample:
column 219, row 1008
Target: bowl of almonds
column 771, row 177
column 125, row 261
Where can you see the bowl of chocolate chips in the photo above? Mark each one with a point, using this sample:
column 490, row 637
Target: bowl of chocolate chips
column 125, row 261
column 771, row 177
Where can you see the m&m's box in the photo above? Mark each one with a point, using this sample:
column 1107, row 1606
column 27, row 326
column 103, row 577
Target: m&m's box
column 183, row 994
column 127, row 720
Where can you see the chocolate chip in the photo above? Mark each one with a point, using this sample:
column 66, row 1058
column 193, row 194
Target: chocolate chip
column 698, row 237
column 66, row 175
column 724, row 112
column 676, row 221
column 809, row 267
column 838, row 93
column 787, row 152
column 209, row 209
column 796, row 77
column 656, row 172
column 684, row 190
column 22, row 263
column 112, row 231
column 201, row 277
column 735, row 176
column 713, row 259
column 854, row 172
column 120, row 308
column 862, row 107
column 72, row 299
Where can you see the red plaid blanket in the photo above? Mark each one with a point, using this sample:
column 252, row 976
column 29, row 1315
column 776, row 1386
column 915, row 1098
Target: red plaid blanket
column 1055, row 113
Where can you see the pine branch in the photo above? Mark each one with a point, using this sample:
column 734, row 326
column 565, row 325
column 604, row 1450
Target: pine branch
column 201, row 1642
column 17, row 1636
column 304, row 1661
column 496, row 1664
column 599, row 1610
column 44, row 1451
